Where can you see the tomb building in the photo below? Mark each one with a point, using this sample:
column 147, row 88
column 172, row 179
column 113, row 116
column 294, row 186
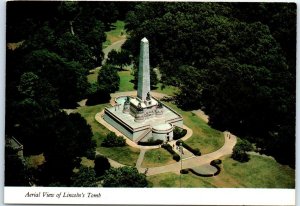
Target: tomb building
column 143, row 118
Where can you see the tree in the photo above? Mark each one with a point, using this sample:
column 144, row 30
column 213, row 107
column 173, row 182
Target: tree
column 108, row 79
column 97, row 95
column 67, row 139
column 101, row 165
column 72, row 48
column 124, row 177
column 16, row 173
column 120, row 58
column 240, row 151
column 112, row 140
column 85, row 177
column 68, row 78
column 34, row 104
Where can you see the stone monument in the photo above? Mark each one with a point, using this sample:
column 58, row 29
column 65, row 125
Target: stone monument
column 143, row 118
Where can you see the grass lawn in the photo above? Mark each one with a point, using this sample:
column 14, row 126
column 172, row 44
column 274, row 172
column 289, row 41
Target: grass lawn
column 204, row 137
column 124, row 155
column 125, row 84
column 34, row 161
column 173, row 180
column 92, row 78
column 259, row 172
column 115, row 34
column 86, row 162
column 157, row 157
column 168, row 90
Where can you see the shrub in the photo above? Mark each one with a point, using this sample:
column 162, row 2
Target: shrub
column 112, row 140
column 199, row 174
column 240, row 149
column 184, row 171
column 168, row 147
column 216, row 162
column 186, row 146
column 179, row 133
column 101, row 165
column 151, row 142
column 176, row 157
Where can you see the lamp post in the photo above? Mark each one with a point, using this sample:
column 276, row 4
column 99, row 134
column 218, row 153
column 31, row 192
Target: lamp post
column 180, row 150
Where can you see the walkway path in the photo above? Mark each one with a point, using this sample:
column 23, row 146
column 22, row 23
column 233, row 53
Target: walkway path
column 140, row 159
column 195, row 161
column 116, row 46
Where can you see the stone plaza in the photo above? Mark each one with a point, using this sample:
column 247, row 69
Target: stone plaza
column 143, row 118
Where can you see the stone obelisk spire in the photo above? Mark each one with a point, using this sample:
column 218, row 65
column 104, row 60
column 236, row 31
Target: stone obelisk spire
column 144, row 70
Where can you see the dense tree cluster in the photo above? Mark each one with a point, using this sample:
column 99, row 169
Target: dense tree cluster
column 112, row 140
column 58, row 43
column 124, row 177
column 234, row 60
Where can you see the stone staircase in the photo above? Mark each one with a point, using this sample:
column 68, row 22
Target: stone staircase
column 143, row 135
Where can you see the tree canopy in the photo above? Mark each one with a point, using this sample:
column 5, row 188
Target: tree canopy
column 124, row 177
column 236, row 61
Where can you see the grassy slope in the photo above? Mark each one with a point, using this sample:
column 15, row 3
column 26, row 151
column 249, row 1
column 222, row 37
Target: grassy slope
column 204, row 137
column 115, row 34
column 157, row 157
column 125, row 155
column 168, row 90
column 259, row 172
column 125, row 84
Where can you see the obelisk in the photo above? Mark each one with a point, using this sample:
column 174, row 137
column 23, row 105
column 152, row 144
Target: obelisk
column 144, row 70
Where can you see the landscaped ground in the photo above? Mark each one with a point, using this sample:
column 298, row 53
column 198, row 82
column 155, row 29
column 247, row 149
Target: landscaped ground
column 124, row 155
column 116, row 34
column 168, row 90
column 157, row 157
column 259, row 172
column 92, row 77
column 125, row 81
column 204, row 137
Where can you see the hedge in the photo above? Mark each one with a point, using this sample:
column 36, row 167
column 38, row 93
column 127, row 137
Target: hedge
column 151, row 142
column 168, row 147
column 216, row 163
column 192, row 150
column 184, row 171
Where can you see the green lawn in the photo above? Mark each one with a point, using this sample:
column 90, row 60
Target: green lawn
column 86, row 162
column 204, row 137
column 173, row 180
column 124, row 155
column 157, row 157
column 168, row 90
column 92, row 77
column 115, row 34
column 259, row 172
column 125, row 84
